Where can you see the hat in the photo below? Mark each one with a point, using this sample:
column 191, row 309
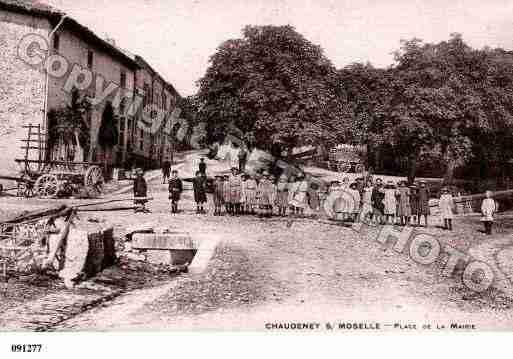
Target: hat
column 233, row 168
column 444, row 189
column 265, row 173
column 174, row 171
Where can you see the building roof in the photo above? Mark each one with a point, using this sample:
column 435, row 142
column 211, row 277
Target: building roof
column 35, row 7
column 144, row 64
column 30, row 7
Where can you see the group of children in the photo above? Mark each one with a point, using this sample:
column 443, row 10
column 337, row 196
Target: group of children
column 384, row 203
column 240, row 194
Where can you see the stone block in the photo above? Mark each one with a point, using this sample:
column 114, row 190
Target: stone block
column 168, row 241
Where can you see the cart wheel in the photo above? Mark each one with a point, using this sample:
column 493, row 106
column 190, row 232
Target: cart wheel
column 46, row 185
column 359, row 168
column 93, row 180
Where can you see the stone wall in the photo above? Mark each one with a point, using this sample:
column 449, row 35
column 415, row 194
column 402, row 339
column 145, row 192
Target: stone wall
column 21, row 87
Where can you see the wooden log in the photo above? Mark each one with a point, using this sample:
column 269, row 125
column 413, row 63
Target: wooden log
column 112, row 201
column 32, row 215
column 60, row 240
column 108, row 209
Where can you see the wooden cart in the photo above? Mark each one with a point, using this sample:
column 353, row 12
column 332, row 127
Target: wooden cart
column 47, row 178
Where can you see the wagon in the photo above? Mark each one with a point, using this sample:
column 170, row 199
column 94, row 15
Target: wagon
column 61, row 177
column 48, row 178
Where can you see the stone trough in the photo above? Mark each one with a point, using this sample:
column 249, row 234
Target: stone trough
column 171, row 248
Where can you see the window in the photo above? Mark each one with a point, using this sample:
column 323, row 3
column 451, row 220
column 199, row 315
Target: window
column 56, row 42
column 122, row 80
column 164, row 101
column 146, row 97
column 141, row 140
column 90, row 59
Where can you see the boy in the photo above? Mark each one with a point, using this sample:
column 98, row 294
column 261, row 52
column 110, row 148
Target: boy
column 282, row 189
column 200, row 191
column 140, row 192
column 175, row 190
column 488, row 209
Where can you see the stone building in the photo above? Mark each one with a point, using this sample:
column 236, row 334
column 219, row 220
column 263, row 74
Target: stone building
column 35, row 37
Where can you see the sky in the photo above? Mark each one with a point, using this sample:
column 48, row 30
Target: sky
column 177, row 37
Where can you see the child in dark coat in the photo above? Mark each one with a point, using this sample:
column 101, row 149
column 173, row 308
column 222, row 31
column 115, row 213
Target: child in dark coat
column 140, row 192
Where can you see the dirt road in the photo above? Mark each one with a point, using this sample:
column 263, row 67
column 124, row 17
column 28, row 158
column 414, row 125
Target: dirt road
column 266, row 272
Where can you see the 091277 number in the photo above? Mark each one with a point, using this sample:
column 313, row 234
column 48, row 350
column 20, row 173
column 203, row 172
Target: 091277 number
column 26, row 348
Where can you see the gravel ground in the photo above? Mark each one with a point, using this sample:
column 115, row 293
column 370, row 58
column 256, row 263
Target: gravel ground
column 264, row 271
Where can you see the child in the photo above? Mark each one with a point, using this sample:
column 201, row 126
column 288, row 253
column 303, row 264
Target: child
column 404, row 207
column 273, row 197
column 250, row 197
column 423, row 202
column 488, row 209
column 218, row 195
column 293, row 187
column 227, row 200
column 282, row 193
column 243, row 193
column 200, row 191
column 355, row 198
column 141, row 191
column 367, row 201
column 377, row 197
column 175, row 190
column 446, row 205
column 390, row 202
column 235, row 191
column 264, row 195
column 300, row 199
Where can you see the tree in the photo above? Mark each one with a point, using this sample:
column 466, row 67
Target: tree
column 278, row 86
column 439, row 99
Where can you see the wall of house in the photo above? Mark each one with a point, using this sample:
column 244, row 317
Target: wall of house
column 21, row 86
column 144, row 77
column 106, row 69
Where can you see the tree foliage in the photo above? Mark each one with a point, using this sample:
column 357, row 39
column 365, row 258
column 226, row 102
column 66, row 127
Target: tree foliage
column 440, row 99
column 276, row 86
